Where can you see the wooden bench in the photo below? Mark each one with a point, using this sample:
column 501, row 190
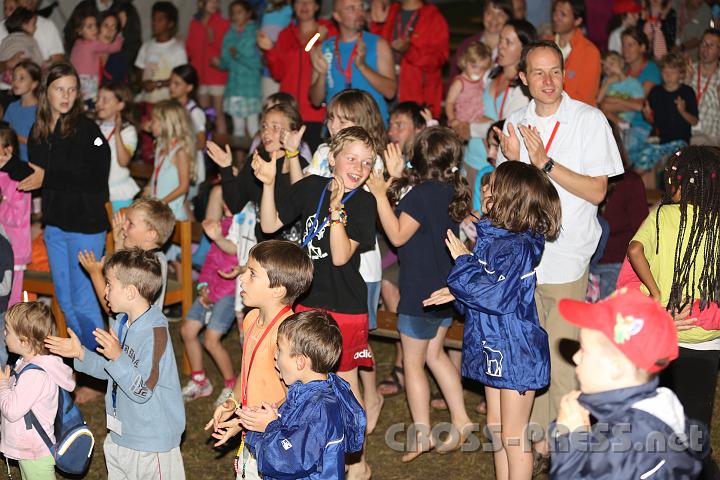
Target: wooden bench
column 387, row 322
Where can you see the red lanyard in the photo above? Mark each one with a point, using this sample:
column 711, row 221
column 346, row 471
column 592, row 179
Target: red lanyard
column 157, row 172
column 700, row 93
column 347, row 71
column 246, row 368
column 628, row 71
column 552, row 137
column 502, row 104
column 112, row 132
column 409, row 26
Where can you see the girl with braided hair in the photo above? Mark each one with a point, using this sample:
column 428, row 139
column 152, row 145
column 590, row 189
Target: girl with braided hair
column 676, row 255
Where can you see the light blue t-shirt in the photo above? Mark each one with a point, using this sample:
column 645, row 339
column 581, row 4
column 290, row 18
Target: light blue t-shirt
column 21, row 119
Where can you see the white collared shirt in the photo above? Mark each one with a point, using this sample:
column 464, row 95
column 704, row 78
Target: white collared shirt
column 584, row 144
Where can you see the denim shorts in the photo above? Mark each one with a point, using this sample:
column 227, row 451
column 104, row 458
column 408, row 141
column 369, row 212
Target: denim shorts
column 220, row 317
column 421, row 328
column 373, row 289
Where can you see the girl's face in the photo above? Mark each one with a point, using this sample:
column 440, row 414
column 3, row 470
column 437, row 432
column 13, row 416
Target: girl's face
column 30, row 26
column 211, row 6
column 239, row 15
column 62, row 94
column 509, row 48
column 612, row 66
column 107, row 105
column 22, row 82
column 494, row 19
column 305, row 9
column 14, row 343
column 352, row 164
column 108, row 29
column 179, row 88
column 632, row 51
column 476, row 68
column 486, row 192
column 337, row 120
column 88, row 29
column 271, row 128
column 156, row 127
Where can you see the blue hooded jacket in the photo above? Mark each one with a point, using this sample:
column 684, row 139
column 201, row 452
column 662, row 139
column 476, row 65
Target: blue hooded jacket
column 503, row 343
column 641, row 432
column 319, row 423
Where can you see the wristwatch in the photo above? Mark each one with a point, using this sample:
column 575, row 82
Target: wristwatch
column 547, row 168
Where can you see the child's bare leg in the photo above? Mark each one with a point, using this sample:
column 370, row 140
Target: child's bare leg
column 218, row 353
column 189, row 331
column 220, row 124
column 448, row 379
column 372, row 399
column 515, row 415
column 500, row 459
column 417, row 389
column 359, row 470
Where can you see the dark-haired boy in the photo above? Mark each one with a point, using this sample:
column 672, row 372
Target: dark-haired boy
column 143, row 403
column 321, row 420
column 641, row 430
column 159, row 55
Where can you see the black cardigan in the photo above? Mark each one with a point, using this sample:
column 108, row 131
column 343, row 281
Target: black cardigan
column 75, row 187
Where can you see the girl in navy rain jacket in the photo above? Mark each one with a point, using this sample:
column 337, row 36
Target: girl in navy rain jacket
column 504, row 346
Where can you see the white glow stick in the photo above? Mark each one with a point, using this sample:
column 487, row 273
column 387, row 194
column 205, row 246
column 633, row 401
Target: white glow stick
column 312, row 42
column 25, row 296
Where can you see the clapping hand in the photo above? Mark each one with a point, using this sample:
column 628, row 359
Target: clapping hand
column 377, row 184
column 108, row 343
column 91, row 265
column 394, row 162
column 290, row 140
column 534, row 144
column 65, row 347
column 265, row 171
column 456, row 247
column 222, row 158
column 257, row 419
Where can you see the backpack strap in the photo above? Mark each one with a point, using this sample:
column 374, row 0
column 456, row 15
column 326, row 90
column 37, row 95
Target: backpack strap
column 30, row 418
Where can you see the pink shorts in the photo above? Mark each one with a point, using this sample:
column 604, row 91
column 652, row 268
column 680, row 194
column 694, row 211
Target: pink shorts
column 354, row 331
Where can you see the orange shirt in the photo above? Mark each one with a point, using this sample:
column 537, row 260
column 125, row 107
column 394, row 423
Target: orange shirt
column 582, row 69
column 264, row 382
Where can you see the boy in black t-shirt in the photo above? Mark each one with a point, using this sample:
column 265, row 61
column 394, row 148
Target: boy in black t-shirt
column 338, row 219
column 672, row 110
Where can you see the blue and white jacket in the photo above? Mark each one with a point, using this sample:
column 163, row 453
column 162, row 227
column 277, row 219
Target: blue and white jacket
column 149, row 399
column 503, row 343
column 319, row 423
column 641, row 432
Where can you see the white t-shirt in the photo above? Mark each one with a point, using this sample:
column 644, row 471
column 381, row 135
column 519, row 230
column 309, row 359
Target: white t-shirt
column 157, row 60
column 46, row 35
column 122, row 186
column 584, row 144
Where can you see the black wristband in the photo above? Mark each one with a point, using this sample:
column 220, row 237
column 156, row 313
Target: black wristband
column 547, row 168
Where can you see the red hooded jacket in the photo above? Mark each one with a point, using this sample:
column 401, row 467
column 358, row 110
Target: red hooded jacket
column 203, row 44
column 421, row 66
column 290, row 65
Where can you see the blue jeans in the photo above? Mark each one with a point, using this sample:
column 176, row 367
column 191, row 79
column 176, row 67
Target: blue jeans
column 220, row 317
column 373, row 289
column 73, row 289
column 608, row 273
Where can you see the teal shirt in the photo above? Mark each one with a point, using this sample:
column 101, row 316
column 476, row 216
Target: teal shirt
column 244, row 67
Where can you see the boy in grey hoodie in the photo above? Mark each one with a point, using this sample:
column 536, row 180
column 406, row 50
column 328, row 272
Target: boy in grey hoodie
column 144, row 406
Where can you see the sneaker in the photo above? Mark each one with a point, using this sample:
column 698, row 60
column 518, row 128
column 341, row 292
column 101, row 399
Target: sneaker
column 224, row 394
column 194, row 390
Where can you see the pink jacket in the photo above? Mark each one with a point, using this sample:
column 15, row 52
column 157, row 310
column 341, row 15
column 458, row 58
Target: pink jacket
column 85, row 55
column 203, row 44
column 37, row 391
column 15, row 218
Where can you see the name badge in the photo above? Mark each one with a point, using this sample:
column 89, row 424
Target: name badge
column 114, row 424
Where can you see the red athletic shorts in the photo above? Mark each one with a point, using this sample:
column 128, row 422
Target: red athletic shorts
column 354, row 331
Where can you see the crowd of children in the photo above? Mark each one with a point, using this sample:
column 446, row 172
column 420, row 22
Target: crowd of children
column 302, row 239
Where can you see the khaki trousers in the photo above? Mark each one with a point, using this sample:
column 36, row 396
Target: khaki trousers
column 561, row 335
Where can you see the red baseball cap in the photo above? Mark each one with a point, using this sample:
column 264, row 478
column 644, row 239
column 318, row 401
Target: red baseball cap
column 635, row 323
column 625, row 6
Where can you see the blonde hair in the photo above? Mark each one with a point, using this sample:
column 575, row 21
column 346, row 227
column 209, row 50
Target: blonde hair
column 175, row 129
column 360, row 108
column 475, row 51
column 31, row 322
column 349, row 135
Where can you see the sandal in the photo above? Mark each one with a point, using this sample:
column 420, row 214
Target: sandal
column 392, row 386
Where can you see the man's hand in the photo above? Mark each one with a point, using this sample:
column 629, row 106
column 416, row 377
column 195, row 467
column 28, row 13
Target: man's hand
column 379, row 11
column 65, row 347
column 319, row 64
column 535, row 146
column 400, row 45
column 109, row 344
column 361, row 52
column 510, row 143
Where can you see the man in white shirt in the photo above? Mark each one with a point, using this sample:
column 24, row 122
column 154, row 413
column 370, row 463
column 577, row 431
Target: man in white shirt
column 572, row 142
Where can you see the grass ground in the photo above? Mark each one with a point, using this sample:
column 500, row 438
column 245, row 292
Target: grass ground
column 202, row 461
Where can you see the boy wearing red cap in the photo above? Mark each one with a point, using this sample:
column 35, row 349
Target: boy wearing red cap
column 641, row 430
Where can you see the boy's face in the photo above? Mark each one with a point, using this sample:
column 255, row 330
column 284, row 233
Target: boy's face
column 402, row 131
column 255, row 285
column 115, row 293
column 239, row 15
column 671, row 75
column 287, row 365
column 13, row 342
column 161, row 24
column 137, row 231
column 352, row 164
column 593, row 352
column 271, row 129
